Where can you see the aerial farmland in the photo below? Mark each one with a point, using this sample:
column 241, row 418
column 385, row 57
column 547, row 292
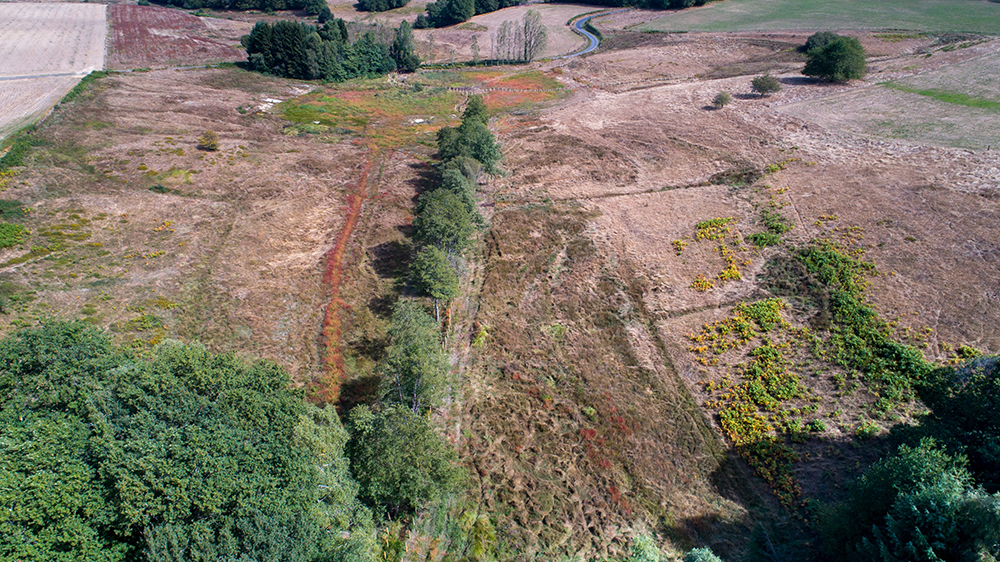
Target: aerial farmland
column 45, row 48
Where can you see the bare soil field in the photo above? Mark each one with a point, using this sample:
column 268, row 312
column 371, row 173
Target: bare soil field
column 151, row 36
column 45, row 49
column 23, row 99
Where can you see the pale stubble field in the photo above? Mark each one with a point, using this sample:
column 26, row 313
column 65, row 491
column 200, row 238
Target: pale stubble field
column 45, row 49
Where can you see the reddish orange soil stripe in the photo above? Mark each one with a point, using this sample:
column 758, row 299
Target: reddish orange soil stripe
column 333, row 360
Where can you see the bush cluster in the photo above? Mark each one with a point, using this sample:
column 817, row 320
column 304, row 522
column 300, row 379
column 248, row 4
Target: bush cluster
column 834, row 57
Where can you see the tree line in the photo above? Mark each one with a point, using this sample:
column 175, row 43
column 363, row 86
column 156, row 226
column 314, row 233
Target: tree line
column 335, row 51
column 443, row 13
column 311, row 7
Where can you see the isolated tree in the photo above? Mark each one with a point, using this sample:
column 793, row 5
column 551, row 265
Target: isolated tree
column 434, row 276
column 722, row 99
column 765, row 85
column 534, row 36
column 403, row 49
column 839, row 60
column 209, row 141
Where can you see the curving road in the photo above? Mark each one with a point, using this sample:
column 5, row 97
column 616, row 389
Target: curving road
column 591, row 38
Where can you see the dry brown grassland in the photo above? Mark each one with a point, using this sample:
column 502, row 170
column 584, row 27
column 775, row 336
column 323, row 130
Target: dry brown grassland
column 581, row 413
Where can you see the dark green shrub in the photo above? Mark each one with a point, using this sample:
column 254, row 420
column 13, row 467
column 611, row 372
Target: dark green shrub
column 764, row 239
column 765, row 85
column 819, row 39
column 400, row 461
column 722, row 99
column 839, row 60
column 703, row 554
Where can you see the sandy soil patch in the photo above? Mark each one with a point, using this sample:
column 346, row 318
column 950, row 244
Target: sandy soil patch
column 150, row 36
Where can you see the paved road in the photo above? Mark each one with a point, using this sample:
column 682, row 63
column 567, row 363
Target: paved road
column 591, row 38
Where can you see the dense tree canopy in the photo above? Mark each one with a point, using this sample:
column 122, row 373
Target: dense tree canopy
column 399, row 459
column 381, row 5
column 301, row 51
column 919, row 504
column 965, row 402
column 188, row 456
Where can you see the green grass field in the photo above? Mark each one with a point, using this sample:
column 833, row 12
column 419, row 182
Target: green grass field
column 973, row 16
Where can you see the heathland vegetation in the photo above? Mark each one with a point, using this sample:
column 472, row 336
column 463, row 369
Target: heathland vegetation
column 516, row 362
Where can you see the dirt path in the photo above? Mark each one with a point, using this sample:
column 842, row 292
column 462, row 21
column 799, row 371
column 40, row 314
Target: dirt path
column 333, row 359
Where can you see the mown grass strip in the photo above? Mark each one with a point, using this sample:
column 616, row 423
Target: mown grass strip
column 946, row 96
column 83, row 85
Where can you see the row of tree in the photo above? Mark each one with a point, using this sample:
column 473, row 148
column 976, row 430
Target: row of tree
column 446, row 215
column 519, row 42
column 311, row 7
column 335, row 51
column 443, row 13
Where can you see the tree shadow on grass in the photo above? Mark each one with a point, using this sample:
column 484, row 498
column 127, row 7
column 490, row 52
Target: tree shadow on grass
column 390, row 259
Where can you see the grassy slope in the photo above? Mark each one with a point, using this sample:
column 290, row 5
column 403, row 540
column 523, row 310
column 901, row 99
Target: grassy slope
column 974, row 16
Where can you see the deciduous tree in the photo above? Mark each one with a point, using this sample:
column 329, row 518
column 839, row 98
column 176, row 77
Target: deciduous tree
column 840, row 60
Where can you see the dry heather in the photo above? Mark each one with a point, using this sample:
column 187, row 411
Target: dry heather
column 154, row 238
column 150, row 36
column 589, row 303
